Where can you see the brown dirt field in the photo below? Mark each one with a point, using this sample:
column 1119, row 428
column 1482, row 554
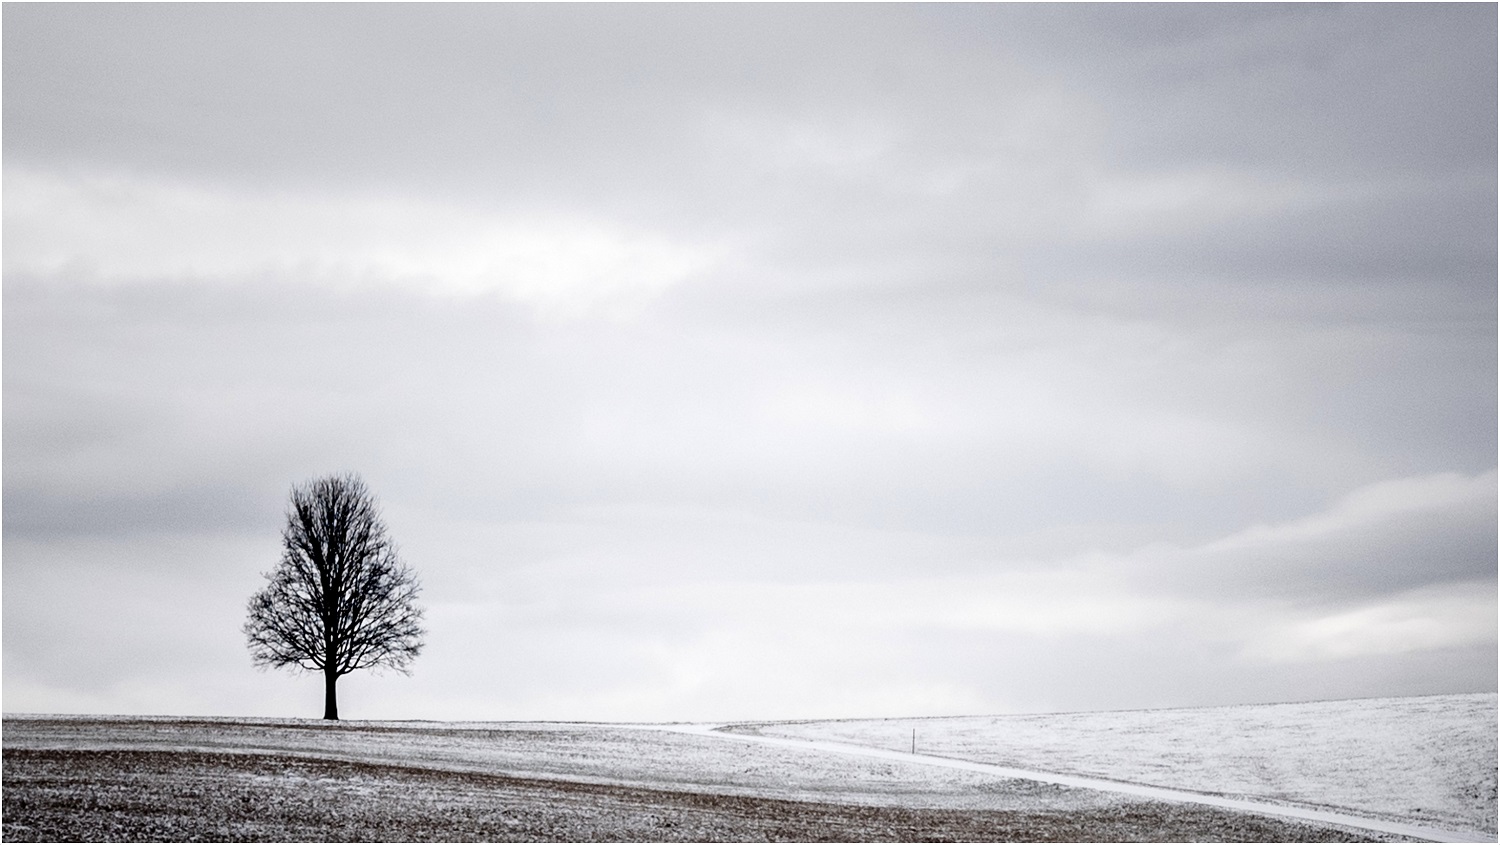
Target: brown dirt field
column 116, row 796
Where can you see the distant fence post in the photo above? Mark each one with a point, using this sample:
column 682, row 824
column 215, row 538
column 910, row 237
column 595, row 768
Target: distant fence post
column 913, row 740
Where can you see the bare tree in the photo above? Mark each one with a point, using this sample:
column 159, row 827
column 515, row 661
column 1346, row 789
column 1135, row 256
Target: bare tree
column 341, row 599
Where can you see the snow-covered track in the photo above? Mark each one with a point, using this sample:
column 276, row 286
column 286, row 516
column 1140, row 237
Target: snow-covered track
column 1432, row 834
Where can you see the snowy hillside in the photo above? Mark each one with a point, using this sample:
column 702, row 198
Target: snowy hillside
column 1429, row 759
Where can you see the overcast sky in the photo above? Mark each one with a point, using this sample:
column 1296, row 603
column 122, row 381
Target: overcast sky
column 772, row 361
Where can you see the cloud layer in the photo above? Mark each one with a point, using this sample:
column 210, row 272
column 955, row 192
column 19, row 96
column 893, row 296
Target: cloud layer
column 759, row 361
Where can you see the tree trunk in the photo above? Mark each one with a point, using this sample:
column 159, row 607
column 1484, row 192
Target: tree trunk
column 330, row 696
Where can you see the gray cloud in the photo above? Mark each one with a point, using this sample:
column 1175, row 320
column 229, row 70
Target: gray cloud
column 1381, row 540
column 760, row 361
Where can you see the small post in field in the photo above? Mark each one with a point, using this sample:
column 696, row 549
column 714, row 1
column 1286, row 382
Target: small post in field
column 913, row 740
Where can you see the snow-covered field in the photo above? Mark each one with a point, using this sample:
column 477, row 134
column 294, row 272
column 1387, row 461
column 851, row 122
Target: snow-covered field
column 583, row 753
column 123, row 779
column 1428, row 760
column 118, row 778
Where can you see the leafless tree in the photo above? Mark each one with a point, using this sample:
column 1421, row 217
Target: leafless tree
column 341, row 599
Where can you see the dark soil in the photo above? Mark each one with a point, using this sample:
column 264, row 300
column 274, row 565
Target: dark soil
column 117, row 796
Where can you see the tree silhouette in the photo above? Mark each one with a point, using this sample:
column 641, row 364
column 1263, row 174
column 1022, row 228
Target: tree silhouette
column 341, row 599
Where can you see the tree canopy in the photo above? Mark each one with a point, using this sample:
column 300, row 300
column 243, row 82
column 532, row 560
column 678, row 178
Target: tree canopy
column 341, row 599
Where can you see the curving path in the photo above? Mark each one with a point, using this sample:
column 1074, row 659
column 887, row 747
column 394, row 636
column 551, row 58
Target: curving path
column 1140, row 790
